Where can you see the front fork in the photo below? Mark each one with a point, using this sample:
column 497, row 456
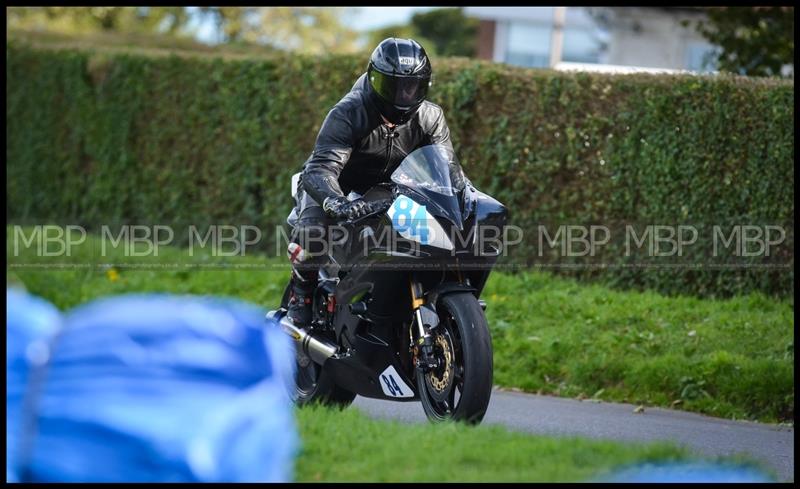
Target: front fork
column 425, row 319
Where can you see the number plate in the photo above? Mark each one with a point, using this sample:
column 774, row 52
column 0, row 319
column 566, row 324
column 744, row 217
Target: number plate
column 393, row 385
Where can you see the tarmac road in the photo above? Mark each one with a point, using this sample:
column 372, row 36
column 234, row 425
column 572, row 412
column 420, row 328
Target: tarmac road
column 546, row 415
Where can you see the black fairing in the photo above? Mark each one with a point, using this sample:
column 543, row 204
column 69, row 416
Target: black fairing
column 484, row 212
column 379, row 279
column 369, row 312
column 375, row 338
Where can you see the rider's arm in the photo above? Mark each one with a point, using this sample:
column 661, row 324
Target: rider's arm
column 437, row 130
column 331, row 152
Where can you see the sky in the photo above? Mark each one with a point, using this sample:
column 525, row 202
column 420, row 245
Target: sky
column 373, row 17
column 363, row 19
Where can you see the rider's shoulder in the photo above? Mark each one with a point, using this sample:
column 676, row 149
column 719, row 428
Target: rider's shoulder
column 429, row 114
column 353, row 100
column 353, row 108
column 428, row 106
column 346, row 107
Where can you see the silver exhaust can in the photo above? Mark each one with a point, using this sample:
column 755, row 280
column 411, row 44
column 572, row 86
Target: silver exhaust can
column 318, row 350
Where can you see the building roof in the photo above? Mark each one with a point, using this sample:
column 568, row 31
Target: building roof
column 576, row 17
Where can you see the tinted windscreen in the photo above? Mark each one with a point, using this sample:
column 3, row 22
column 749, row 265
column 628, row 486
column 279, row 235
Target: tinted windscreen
column 427, row 168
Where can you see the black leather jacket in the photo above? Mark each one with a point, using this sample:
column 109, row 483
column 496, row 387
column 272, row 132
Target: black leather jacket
column 355, row 149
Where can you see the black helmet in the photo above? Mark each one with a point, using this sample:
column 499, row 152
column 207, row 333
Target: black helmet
column 399, row 75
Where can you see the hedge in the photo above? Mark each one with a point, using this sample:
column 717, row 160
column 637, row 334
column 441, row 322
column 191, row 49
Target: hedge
column 95, row 138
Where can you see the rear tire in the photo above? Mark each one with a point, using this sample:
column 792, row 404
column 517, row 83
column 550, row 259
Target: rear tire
column 321, row 390
column 465, row 332
column 312, row 385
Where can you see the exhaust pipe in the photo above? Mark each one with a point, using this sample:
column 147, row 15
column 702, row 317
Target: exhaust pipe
column 318, row 350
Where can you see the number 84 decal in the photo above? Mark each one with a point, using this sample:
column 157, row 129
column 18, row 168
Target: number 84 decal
column 392, row 384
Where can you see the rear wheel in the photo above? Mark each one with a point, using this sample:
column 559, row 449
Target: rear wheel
column 460, row 388
column 311, row 383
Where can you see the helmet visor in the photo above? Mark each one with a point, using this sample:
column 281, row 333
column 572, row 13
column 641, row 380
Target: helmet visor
column 400, row 91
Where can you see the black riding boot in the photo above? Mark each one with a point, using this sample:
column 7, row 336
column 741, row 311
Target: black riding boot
column 300, row 301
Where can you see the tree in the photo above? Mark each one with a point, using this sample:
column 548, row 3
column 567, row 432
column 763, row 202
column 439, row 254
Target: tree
column 402, row 31
column 231, row 22
column 452, row 32
column 755, row 41
column 98, row 19
column 443, row 32
column 312, row 30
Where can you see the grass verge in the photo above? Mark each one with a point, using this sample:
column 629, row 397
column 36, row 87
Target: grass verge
column 347, row 446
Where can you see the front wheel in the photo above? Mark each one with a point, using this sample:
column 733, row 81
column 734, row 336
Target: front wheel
column 460, row 388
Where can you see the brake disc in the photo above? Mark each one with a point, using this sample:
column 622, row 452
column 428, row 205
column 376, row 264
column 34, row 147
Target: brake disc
column 440, row 380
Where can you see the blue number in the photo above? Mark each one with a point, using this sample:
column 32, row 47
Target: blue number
column 416, row 225
column 421, row 225
column 403, row 209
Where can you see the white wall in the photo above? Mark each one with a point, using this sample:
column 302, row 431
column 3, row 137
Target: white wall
column 576, row 16
column 652, row 38
column 527, row 31
column 636, row 36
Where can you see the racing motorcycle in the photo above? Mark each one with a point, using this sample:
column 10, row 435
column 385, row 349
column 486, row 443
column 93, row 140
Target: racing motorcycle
column 397, row 313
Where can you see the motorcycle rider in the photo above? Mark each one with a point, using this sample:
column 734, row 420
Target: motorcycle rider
column 363, row 139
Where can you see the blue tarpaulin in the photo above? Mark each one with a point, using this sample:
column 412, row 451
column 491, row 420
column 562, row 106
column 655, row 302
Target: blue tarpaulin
column 687, row 472
column 147, row 388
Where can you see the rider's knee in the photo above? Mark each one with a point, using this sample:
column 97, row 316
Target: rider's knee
column 311, row 238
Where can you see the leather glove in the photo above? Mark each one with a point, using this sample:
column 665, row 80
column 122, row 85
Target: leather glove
column 341, row 208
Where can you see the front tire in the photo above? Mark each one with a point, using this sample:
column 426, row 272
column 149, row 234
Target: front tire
column 460, row 389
